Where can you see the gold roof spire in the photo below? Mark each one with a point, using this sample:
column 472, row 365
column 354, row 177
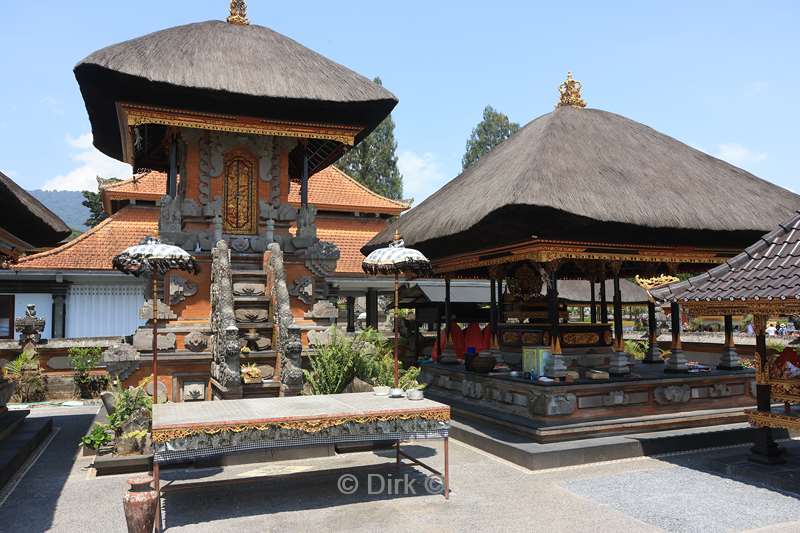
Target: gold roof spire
column 238, row 13
column 570, row 93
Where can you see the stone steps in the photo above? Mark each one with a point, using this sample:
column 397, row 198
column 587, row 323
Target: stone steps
column 17, row 445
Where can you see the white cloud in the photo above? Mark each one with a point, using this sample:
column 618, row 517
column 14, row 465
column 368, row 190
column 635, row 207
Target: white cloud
column 52, row 104
column 422, row 174
column 739, row 155
column 92, row 163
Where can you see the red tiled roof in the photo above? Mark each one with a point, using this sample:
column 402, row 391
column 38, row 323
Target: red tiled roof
column 332, row 190
column 94, row 249
column 349, row 235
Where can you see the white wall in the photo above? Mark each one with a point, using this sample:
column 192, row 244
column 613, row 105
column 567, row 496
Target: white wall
column 103, row 310
column 44, row 309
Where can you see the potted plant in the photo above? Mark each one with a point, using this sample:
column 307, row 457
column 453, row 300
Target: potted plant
column 97, row 438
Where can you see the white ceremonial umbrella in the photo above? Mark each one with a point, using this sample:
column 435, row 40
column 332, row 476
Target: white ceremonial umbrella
column 153, row 257
column 394, row 259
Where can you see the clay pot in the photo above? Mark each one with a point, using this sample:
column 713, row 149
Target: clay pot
column 140, row 504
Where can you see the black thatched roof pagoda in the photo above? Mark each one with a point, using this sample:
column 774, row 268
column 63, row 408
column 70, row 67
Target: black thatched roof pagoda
column 26, row 221
column 580, row 174
column 230, row 68
column 764, row 278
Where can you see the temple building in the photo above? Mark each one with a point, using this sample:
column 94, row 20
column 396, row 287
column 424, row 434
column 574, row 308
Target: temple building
column 235, row 120
column 584, row 194
column 26, row 227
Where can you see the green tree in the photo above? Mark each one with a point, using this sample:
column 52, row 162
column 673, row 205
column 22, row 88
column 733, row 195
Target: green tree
column 373, row 162
column 491, row 131
column 93, row 202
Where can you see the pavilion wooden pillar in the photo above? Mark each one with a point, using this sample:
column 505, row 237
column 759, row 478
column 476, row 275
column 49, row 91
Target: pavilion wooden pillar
column 493, row 306
column 603, row 301
column 677, row 359
column 172, row 176
column 372, row 308
column 555, row 368
column 447, row 311
column 618, row 361
column 764, row 449
column 351, row 314
column 653, row 353
column 500, row 312
column 593, row 308
column 730, row 358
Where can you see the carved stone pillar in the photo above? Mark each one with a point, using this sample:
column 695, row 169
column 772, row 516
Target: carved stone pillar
column 730, row 358
column 677, row 360
column 653, row 353
column 764, row 449
column 618, row 361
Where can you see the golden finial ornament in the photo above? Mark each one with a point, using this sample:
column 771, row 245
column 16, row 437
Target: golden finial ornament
column 570, row 93
column 649, row 284
column 238, row 13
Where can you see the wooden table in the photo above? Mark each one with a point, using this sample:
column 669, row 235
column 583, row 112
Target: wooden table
column 196, row 430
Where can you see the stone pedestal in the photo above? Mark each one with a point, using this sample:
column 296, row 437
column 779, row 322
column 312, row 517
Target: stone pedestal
column 677, row 362
column 653, row 356
column 730, row 360
column 618, row 364
column 555, row 367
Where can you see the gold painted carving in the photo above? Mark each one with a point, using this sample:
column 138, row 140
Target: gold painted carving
column 570, row 93
column 580, row 338
column 241, row 195
column 238, row 13
column 766, row 419
column 309, row 426
column 131, row 115
column 656, row 281
column 525, row 283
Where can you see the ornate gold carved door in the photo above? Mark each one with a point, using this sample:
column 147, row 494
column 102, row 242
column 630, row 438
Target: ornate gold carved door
column 241, row 196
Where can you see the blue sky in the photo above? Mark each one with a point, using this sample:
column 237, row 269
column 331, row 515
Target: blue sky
column 720, row 76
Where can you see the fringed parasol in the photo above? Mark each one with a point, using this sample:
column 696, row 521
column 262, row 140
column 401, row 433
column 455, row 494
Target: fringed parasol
column 394, row 259
column 151, row 256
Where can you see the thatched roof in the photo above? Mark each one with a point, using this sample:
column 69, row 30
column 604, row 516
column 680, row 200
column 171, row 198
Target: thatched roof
column 589, row 175
column 225, row 68
column 767, row 272
column 27, row 218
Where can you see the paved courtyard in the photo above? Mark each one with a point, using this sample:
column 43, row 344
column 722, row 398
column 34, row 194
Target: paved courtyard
column 691, row 492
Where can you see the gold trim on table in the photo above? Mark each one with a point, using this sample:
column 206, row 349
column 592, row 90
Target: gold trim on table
column 772, row 420
column 313, row 425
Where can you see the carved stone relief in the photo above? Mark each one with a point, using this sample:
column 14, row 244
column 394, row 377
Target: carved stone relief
column 251, row 314
column 164, row 311
column 196, row 341
column 143, row 340
column 302, row 289
column 544, row 404
column 248, row 288
column 180, row 288
column 671, row 394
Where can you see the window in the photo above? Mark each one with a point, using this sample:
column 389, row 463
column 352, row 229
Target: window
column 6, row 316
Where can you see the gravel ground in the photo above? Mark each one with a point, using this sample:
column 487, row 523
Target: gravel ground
column 60, row 494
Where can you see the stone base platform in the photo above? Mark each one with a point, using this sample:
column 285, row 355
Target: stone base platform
column 647, row 400
column 20, row 441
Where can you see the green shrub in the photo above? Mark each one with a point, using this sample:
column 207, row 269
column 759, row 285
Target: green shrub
column 83, row 361
column 25, row 373
column 97, row 437
column 128, row 402
column 368, row 356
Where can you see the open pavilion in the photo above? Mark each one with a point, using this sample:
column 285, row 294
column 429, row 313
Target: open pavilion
column 584, row 194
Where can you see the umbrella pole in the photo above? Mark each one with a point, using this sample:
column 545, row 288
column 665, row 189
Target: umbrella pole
column 154, row 383
column 396, row 328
